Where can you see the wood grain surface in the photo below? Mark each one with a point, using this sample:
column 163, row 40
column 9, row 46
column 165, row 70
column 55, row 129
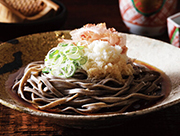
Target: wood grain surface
column 165, row 122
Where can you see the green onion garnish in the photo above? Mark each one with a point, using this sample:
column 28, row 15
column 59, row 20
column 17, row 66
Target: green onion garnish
column 64, row 60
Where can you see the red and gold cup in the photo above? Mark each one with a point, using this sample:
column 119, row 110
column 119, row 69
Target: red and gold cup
column 147, row 17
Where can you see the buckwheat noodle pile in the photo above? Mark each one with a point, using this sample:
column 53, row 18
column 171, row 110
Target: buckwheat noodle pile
column 81, row 95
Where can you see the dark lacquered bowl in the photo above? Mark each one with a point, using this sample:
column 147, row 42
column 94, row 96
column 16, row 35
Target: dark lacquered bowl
column 12, row 30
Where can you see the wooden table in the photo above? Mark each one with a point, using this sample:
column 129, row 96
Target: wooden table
column 165, row 122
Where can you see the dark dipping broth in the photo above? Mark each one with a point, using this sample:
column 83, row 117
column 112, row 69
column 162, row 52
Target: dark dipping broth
column 164, row 88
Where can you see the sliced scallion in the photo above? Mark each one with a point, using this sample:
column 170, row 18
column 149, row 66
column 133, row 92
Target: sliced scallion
column 63, row 60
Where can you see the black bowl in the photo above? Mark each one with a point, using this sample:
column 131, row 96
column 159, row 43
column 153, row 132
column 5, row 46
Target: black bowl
column 12, row 30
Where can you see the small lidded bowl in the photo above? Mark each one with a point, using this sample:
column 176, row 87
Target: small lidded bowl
column 146, row 17
column 173, row 23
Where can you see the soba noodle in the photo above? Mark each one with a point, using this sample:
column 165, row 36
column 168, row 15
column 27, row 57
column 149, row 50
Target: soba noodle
column 81, row 95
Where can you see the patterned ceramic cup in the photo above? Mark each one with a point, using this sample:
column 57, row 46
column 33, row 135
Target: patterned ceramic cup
column 173, row 23
column 147, row 17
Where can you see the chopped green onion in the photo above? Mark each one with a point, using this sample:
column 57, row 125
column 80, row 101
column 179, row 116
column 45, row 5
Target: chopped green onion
column 53, row 53
column 62, row 44
column 83, row 60
column 63, row 60
column 46, row 70
column 80, row 47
